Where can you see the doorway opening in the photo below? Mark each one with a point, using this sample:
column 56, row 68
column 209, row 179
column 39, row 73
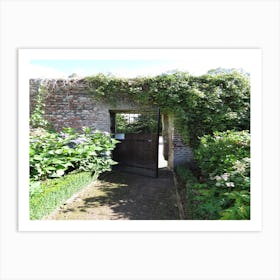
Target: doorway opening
column 139, row 133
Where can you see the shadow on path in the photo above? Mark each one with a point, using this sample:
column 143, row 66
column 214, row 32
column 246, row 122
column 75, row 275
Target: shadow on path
column 124, row 196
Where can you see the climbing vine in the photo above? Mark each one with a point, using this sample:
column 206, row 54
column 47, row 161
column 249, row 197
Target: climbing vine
column 200, row 105
column 37, row 117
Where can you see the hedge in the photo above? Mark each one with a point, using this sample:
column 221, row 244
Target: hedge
column 47, row 195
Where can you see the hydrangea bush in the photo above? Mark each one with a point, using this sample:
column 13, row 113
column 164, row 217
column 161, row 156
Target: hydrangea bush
column 55, row 154
column 224, row 192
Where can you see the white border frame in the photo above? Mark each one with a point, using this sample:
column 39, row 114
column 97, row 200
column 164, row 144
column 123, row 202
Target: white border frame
column 139, row 255
column 254, row 56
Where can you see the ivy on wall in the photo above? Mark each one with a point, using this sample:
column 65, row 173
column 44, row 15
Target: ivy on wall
column 201, row 105
column 217, row 101
column 37, row 117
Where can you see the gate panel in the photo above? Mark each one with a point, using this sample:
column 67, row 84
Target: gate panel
column 138, row 152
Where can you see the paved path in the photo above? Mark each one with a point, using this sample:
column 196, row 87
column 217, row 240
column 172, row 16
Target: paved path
column 123, row 196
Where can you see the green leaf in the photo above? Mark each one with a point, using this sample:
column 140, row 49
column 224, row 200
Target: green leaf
column 36, row 157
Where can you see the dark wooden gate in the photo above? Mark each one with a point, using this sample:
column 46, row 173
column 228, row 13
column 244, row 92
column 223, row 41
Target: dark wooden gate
column 137, row 152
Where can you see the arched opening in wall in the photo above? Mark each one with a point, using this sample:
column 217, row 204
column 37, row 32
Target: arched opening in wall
column 141, row 143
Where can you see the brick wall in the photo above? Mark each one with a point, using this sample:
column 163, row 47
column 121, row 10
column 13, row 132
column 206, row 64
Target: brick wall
column 182, row 153
column 69, row 104
column 178, row 152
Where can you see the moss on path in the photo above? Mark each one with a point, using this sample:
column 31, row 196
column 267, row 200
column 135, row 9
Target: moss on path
column 123, row 196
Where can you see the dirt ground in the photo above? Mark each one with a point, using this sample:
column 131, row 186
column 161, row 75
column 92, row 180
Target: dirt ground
column 123, row 196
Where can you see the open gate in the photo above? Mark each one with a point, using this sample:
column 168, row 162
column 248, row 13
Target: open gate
column 138, row 133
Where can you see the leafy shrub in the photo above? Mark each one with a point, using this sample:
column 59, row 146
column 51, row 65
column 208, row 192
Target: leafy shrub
column 47, row 195
column 220, row 153
column 240, row 209
column 225, row 161
column 55, row 154
column 224, row 191
column 213, row 103
column 143, row 123
column 201, row 200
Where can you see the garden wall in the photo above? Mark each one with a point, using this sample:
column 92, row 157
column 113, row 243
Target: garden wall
column 68, row 103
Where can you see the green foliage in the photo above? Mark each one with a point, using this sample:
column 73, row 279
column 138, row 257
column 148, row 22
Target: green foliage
column 36, row 119
column 224, row 192
column 55, row 154
column 121, row 123
column 214, row 103
column 108, row 87
column 201, row 105
column 202, row 202
column 219, row 153
column 46, row 196
column 240, row 209
column 143, row 123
